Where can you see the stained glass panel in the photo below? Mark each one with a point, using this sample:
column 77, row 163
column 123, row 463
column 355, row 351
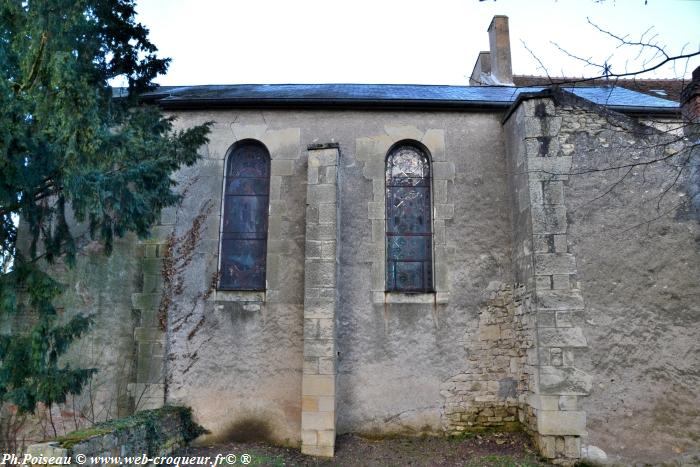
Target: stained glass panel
column 250, row 159
column 246, row 186
column 409, row 276
column 408, row 220
column 409, row 208
column 243, row 264
column 245, row 214
column 244, row 227
column 403, row 248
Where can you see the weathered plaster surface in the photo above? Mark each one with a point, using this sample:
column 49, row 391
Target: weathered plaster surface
column 243, row 366
column 99, row 286
column 235, row 357
column 639, row 264
column 396, row 353
column 109, row 346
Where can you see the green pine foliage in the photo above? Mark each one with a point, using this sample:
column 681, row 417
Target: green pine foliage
column 70, row 151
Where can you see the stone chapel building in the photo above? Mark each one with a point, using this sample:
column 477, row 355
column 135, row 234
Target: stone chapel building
column 413, row 259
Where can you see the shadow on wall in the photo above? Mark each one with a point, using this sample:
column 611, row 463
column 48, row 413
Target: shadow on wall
column 244, row 430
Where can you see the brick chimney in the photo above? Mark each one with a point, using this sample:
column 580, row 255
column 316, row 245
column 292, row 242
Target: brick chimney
column 494, row 68
column 690, row 106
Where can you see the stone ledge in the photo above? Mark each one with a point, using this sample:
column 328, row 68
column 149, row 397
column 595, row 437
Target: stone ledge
column 317, row 146
column 237, row 296
column 429, row 298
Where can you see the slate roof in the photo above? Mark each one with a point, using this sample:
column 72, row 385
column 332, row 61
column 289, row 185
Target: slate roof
column 665, row 88
column 388, row 95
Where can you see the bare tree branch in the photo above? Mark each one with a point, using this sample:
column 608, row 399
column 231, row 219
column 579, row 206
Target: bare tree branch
column 658, row 58
column 542, row 67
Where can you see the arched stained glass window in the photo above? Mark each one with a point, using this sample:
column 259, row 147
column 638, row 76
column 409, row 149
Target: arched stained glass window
column 409, row 263
column 244, row 227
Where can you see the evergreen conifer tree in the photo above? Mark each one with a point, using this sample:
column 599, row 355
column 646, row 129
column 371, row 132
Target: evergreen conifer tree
column 70, row 149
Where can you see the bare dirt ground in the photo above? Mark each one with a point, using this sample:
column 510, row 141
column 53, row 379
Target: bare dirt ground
column 483, row 450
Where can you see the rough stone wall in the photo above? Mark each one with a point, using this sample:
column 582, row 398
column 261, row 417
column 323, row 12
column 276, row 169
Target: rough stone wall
column 149, row 434
column 107, row 346
column 635, row 233
column 485, row 395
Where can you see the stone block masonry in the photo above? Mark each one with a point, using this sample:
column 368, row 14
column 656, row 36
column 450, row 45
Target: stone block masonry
column 540, row 166
column 318, row 387
column 147, row 434
column 146, row 389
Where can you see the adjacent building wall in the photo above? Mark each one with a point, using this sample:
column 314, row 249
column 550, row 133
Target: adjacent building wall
column 635, row 233
column 99, row 286
column 630, row 235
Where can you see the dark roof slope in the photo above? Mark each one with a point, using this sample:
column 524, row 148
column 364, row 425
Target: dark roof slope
column 665, row 88
column 387, row 95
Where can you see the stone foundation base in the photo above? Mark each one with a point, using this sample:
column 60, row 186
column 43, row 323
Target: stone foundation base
column 560, row 450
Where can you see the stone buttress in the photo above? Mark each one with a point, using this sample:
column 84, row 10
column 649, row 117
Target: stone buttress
column 318, row 415
column 543, row 264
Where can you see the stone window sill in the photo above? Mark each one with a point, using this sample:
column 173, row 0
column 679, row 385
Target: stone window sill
column 238, row 296
column 430, row 298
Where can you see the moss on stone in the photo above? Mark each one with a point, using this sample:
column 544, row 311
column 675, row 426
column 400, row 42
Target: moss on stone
column 149, row 419
column 505, row 427
column 71, row 439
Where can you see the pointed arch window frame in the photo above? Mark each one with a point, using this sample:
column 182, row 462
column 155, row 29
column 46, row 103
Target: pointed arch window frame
column 243, row 232
column 409, row 245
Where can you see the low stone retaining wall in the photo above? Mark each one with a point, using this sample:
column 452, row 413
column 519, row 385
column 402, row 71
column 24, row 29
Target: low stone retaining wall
column 142, row 436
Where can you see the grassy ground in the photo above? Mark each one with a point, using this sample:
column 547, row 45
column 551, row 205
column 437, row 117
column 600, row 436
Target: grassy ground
column 484, row 450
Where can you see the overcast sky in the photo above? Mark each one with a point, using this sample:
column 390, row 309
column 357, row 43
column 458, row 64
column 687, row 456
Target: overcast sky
column 403, row 41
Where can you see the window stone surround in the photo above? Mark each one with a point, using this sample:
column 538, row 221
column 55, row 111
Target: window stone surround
column 284, row 146
column 373, row 152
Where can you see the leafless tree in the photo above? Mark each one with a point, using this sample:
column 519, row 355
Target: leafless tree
column 648, row 52
column 670, row 146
